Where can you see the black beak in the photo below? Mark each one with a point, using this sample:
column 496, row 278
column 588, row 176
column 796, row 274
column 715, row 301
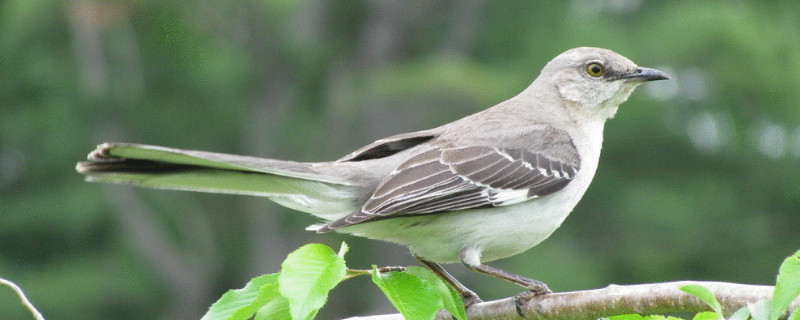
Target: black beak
column 645, row 74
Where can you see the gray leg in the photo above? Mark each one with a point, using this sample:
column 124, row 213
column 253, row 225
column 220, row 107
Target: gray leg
column 471, row 259
column 469, row 297
column 535, row 286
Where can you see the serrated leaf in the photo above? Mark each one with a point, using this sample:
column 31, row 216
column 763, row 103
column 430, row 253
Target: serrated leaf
column 414, row 298
column 707, row 315
column 787, row 286
column 704, row 295
column 307, row 275
column 451, row 300
column 242, row 303
column 277, row 309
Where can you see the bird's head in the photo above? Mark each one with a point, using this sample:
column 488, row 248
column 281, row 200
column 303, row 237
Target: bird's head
column 596, row 81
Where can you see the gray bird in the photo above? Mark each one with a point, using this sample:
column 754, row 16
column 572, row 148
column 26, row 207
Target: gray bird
column 485, row 187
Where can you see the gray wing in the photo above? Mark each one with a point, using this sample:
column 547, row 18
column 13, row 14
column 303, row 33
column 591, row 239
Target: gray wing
column 458, row 178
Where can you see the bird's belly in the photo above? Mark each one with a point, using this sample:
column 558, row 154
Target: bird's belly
column 496, row 233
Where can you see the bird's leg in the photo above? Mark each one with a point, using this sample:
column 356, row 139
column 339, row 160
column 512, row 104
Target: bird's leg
column 535, row 286
column 466, row 294
column 471, row 258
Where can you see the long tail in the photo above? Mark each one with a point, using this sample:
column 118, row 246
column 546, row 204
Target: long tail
column 293, row 184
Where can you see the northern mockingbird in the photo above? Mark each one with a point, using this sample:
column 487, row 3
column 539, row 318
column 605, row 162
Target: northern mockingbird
column 485, row 187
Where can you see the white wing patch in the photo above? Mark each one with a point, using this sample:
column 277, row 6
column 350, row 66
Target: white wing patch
column 505, row 197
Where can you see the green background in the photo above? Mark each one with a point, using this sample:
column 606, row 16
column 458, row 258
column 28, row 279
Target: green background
column 699, row 177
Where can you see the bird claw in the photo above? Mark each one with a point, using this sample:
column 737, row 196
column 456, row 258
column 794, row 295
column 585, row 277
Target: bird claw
column 536, row 287
column 470, row 298
column 520, row 299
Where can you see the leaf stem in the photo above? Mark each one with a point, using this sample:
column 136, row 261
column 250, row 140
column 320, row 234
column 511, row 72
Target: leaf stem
column 352, row 273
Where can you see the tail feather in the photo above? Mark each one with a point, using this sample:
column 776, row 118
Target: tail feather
column 111, row 156
column 293, row 184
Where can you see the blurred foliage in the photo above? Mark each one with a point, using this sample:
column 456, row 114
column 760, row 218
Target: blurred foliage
column 698, row 179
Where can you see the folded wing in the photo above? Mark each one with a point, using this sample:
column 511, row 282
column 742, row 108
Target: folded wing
column 458, row 178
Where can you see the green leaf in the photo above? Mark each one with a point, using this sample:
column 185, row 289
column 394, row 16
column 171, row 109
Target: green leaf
column 451, row 300
column 759, row 310
column 277, row 309
column 307, row 275
column 741, row 314
column 704, row 295
column 707, row 315
column 787, row 287
column 414, row 298
column 795, row 315
column 241, row 304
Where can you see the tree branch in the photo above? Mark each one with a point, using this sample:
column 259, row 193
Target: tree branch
column 615, row 300
column 25, row 302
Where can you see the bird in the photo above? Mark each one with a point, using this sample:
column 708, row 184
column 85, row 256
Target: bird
column 488, row 186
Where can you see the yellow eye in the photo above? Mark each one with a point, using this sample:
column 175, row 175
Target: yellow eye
column 595, row 69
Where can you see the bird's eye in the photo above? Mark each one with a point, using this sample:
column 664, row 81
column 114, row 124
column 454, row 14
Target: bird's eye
column 595, row 69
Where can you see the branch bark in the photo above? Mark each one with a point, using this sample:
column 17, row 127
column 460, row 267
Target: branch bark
column 614, row 300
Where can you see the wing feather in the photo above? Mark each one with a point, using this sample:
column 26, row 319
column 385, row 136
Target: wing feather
column 460, row 178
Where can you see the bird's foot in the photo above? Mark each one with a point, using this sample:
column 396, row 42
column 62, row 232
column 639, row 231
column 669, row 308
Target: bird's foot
column 470, row 298
column 536, row 288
